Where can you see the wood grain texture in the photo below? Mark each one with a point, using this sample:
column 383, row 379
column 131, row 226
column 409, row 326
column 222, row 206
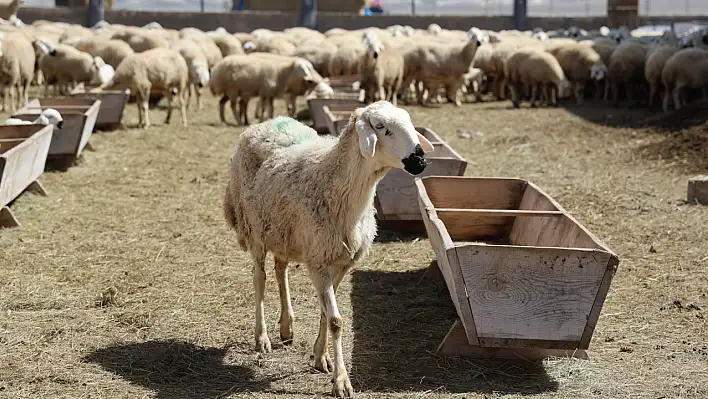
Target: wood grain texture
column 531, row 293
column 475, row 193
column 455, row 344
column 319, row 119
column 22, row 161
column 112, row 105
column 79, row 122
column 546, row 231
column 397, row 193
column 447, row 261
column 612, row 265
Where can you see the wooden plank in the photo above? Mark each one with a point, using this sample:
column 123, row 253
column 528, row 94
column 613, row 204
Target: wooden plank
column 90, row 117
column 470, row 227
column 397, row 193
column 112, row 105
column 317, row 114
column 22, row 162
column 447, row 260
column 455, row 344
column 498, row 212
column 7, row 219
column 37, row 188
column 697, row 192
column 612, row 265
column 549, row 231
column 65, row 140
column 474, row 193
column 527, row 343
column 531, row 293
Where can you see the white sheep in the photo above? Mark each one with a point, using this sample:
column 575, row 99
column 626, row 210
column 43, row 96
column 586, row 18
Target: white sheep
column 17, row 61
column 685, row 69
column 537, row 69
column 654, row 67
column 309, row 199
column 381, row 70
column 68, row 66
column 580, row 63
column 49, row 116
column 242, row 77
column 157, row 69
column 198, row 68
column 626, row 68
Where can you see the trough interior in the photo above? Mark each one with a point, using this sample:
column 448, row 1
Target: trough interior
column 460, row 203
column 8, row 144
column 18, row 131
column 69, row 101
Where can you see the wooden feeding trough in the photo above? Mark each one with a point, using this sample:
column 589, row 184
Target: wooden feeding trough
column 316, row 107
column 396, row 196
column 23, row 154
column 344, row 84
column 79, row 121
column 526, row 278
column 112, row 104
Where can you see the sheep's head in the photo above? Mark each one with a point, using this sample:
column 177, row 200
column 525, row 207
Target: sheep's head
column 50, row 116
column 249, row 47
column 598, row 71
column 201, row 73
column 304, row 69
column 434, row 29
column 46, row 47
column 374, row 47
column 563, row 87
column 323, row 90
column 390, row 128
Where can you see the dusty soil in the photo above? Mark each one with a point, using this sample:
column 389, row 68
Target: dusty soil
column 125, row 281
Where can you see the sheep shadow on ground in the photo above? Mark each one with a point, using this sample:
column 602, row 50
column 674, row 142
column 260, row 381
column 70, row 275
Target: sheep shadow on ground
column 175, row 369
column 403, row 231
column 399, row 318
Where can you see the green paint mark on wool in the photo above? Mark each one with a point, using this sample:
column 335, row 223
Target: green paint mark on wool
column 295, row 132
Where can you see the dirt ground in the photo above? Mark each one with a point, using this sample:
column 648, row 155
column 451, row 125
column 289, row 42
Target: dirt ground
column 126, row 283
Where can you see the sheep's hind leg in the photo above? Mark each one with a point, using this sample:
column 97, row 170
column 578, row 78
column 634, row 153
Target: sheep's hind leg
column 259, row 279
column 169, row 96
column 182, row 106
column 222, row 106
column 324, row 285
column 287, row 316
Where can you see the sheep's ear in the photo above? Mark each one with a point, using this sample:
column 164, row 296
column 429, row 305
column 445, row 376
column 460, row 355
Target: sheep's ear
column 367, row 136
column 425, row 144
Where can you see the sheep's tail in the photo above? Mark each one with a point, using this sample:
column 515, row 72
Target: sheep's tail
column 229, row 209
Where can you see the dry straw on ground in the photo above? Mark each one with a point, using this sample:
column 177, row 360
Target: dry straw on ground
column 125, row 282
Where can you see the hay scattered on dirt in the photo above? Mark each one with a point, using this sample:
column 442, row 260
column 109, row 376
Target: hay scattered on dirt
column 125, row 282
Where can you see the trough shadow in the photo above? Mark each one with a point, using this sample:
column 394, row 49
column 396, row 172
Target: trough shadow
column 399, row 318
column 389, row 232
column 175, row 369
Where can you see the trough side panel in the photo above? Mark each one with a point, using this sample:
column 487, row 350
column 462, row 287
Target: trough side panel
column 531, row 293
column 24, row 164
column 612, row 265
column 397, row 193
column 91, row 115
column 475, row 193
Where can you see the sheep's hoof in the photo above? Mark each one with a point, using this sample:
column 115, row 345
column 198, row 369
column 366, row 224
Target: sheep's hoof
column 324, row 363
column 263, row 344
column 286, row 334
column 516, row 104
column 341, row 387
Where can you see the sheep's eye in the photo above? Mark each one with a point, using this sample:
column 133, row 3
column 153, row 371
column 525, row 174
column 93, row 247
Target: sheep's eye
column 388, row 133
column 379, row 126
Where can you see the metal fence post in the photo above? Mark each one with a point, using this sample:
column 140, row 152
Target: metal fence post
column 308, row 14
column 94, row 12
column 520, row 14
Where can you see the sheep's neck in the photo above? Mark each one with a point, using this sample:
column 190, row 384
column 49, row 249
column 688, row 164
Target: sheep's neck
column 466, row 54
column 351, row 177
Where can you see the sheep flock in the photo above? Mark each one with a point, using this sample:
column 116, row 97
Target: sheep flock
column 398, row 63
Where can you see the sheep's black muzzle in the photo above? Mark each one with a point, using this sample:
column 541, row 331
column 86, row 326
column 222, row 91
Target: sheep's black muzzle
column 60, row 124
column 376, row 55
column 200, row 85
column 415, row 163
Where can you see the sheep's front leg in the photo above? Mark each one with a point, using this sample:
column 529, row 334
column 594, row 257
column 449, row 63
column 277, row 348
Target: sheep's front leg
column 188, row 98
column 182, row 107
column 259, row 279
column 677, row 97
column 324, row 285
column 287, row 316
column 579, row 92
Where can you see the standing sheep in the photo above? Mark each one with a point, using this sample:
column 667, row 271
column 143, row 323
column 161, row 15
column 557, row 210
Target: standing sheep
column 654, row 66
column 17, row 60
column 626, row 68
column 381, row 70
column 198, row 68
column 161, row 69
column 309, row 199
column 687, row 69
column 537, row 69
column 580, row 64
